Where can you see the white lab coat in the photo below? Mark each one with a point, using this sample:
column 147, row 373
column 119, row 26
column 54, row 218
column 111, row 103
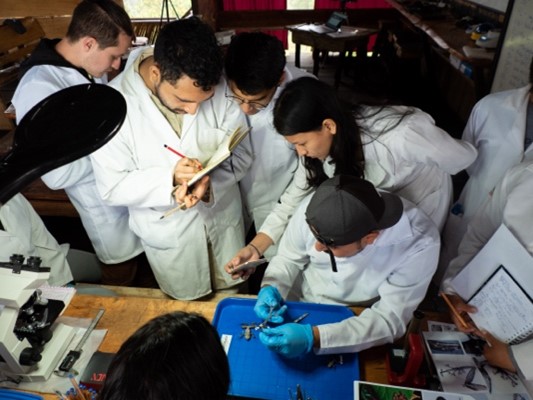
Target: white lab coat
column 24, row 233
column 395, row 270
column 511, row 204
column 135, row 170
column 107, row 227
column 414, row 160
column 496, row 127
column 275, row 162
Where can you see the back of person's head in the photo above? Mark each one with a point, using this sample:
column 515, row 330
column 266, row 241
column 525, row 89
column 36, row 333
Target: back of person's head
column 255, row 62
column 345, row 208
column 189, row 47
column 174, row 356
column 303, row 106
column 103, row 20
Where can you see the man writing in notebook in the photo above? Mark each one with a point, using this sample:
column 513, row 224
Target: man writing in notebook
column 509, row 204
column 348, row 244
column 176, row 97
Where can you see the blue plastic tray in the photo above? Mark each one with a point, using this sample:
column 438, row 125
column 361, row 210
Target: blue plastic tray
column 7, row 394
column 257, row 372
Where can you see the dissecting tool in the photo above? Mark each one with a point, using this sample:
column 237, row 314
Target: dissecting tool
column 263, row 324
column 301, row 318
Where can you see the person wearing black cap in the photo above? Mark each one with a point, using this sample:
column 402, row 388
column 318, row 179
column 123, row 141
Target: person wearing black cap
column 349, row 244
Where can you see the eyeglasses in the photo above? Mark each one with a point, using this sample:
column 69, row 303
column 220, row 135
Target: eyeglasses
column 254, row 104
column 329, row 243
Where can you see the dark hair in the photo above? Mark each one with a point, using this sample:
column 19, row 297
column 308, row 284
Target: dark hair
column 103, row 20
column 174, row 356
column 255, row 62
column 188, row 47
column 302, row 107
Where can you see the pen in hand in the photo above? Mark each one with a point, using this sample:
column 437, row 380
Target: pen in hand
column 453, row 309
column 175, row 151
column 195, row 161
column 181, row 207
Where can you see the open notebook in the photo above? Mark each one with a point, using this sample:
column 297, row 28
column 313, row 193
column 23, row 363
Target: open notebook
column 222, row 154
column 499, row 282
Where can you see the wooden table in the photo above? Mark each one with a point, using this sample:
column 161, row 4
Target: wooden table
column 347, row 39
column 125, row 314
column 450, row 38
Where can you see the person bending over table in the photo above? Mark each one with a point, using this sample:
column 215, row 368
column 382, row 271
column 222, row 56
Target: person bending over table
column 349, row 244
column 257, row 73
column 174, row 356
column 397, row 148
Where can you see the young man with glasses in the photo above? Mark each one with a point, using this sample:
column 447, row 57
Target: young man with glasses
column 352, row 245
column 257, row 72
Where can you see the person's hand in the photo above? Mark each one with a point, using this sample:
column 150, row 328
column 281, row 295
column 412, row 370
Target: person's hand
column 185, row 169
column 268, row 305
column 247, row 253
column 189, row 197
column 497, row 353
column 463, row 309
column 290, row 340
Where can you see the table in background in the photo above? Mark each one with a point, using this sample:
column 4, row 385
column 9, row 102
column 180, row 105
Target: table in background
column 349, row 38
column 450, row 38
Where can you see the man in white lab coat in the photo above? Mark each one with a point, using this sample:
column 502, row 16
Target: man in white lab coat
column 257, row 72
column 99, row 34
column 501, row 128
column 510, row 204
column 176, row 98
column 349, row 244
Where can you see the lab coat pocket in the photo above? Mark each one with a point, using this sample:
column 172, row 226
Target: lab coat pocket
column 164, row 233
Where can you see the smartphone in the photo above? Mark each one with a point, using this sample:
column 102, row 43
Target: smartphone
column 249, row 265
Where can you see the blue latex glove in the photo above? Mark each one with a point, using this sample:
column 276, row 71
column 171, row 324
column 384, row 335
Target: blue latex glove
column 267, row 298
column 290, row 340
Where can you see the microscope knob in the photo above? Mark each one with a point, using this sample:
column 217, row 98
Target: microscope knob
column 34, row 262
column 46, row 335
column 29, row 356
column 16, row 259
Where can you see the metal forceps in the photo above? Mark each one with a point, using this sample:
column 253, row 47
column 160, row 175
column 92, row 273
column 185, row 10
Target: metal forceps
column 263, row 324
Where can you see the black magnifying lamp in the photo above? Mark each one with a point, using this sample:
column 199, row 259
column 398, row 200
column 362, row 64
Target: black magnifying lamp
column 61, row 128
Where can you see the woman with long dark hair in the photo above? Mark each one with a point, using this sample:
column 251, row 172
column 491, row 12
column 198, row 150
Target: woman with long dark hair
column 397, row 148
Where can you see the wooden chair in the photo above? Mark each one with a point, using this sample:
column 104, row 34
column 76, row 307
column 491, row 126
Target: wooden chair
column 14, row 48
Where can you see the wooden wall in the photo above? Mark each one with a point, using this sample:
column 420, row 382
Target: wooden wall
column 53, row 15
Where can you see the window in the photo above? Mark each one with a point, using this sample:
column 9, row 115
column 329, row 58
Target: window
column 154, row 9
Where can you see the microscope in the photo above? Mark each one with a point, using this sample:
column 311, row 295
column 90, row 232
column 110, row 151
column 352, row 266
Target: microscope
column 65, row 126
column 31, row 344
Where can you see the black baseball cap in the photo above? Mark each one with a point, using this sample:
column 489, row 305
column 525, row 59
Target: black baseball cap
column 344, row 209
